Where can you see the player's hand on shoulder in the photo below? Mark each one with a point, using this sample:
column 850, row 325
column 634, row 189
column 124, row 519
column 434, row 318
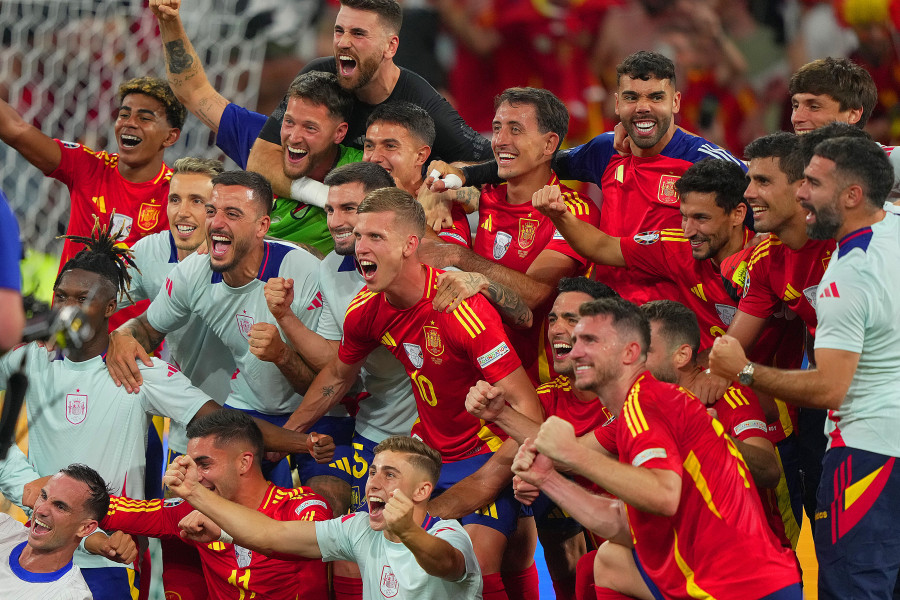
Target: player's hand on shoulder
column 279, row 293
column 437, row 207
column 525, row 492
column 621, row 141
column 437, row 176
column 321, row 447
column 485, row 401
column 165, row 10
column 398, row 513
column 121, row 361
column 456, row 286
column 181, row 476
column 118, row 547
column 266, row 343
column 548, row 201
column 197, row 527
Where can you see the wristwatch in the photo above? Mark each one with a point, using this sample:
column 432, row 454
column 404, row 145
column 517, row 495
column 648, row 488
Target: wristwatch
column 745, row 377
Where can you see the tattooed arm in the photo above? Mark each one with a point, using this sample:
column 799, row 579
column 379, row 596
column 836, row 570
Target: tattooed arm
column 183, row 68
column 326, row 390
column 468, row 197
column 456, row 286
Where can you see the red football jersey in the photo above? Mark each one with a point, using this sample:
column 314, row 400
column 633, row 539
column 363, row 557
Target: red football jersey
column 513, row 235
column 704, row 549
column 233, row 572
column 697, row 284
column 557, row 398
column 739, row 412
column 444, row 354
column 777, row 274
column 460, row 232
column 96, row 187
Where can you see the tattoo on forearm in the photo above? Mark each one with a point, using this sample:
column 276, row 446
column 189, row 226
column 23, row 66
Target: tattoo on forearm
column 328, row 391
column 510, row 304
column 468, row 197
column 179, row 59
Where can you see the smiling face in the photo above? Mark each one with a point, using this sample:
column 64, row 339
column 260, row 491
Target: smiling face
column 188, row 196
column 561, row 327
column 340, row 213
column 772, row 198
column 707, row 226
column 596, row 353
column 309, row 138
column 519, row 146
column 820, row 194
column 400, row 153
column 142, row 131
column 646, row 109
column 382, row 247
column 219, row 468
column 811, row 111
column 361, row 45
column 234, row 224
column 60, row 516
column 391, row 471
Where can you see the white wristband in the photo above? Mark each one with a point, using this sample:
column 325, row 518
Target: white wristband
column 451, row 180
column 309, row 191
column 224, row 537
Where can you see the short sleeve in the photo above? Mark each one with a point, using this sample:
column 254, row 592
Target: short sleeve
column 843, row 317
column 171, row 308
column 166, row 392
column 238, row 131
column 76, row 162
column 485, row 339
column 339, row 539
column 358, row 340
column 587, row 161
column 303, row 268
column 584, row 210
column 15, row 472
column 646, row 252
column 644, row 437
column 739, row 411
column 453, row 533
column 606, row 436
column 759, row 300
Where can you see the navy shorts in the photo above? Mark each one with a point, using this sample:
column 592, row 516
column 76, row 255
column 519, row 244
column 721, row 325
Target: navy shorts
column 112, row 583
column 857, row 531
column 502, row 514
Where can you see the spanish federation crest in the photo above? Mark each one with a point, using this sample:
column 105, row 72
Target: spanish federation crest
column 501, row 244
column 527, row 231
column 389, row 584
column 76, row 408
column 433, row 342
column 726, row 313
column 245, row 322
column 243, row 556
column 414, row 352
column 666, row 193
column 148, row 216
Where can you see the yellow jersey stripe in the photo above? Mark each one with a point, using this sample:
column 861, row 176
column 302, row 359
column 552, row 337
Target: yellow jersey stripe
column 693, row 590
column 692, row 466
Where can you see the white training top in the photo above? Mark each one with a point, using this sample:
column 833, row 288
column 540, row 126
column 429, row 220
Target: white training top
column 77, row 414
column 391, row 407
column 389, row 569
column 193, row 288
column 15, row 582
column 858, row 306
column 194, row 348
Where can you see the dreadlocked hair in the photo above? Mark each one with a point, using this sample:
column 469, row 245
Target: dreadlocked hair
column 103, row 256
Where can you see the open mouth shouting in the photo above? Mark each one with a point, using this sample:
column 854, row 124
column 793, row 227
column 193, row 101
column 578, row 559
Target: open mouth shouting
column 220, row 245
column 367, row 269
column 294, row 154
column 561, row 349
column 346, row 65
column 40, row 528
column 376, row 506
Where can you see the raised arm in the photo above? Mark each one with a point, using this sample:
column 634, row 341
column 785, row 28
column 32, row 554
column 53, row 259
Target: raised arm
column 265, row 159
column 38, row 148
column 249, row 528
column 584, row 238
column 315, row 350
column 184, row 70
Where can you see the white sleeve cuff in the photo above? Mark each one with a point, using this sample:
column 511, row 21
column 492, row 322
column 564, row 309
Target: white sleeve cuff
column 309, row 191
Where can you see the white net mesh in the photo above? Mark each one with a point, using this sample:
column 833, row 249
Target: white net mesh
column 61, row 62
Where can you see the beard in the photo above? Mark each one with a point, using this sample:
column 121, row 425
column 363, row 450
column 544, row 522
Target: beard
column 828, row 222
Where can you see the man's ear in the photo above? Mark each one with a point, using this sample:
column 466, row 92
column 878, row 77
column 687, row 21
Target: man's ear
column 87, row 527
column 423, row 492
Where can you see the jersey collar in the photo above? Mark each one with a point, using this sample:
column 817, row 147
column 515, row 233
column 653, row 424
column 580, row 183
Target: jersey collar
column 25, row 575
